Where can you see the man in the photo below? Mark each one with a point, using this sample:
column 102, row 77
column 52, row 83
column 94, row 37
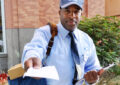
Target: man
column 61, row 53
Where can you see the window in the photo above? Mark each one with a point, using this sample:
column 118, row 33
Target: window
column 2, row 29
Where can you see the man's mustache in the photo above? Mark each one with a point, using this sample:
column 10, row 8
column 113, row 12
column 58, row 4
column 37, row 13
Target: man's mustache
column 73, row 20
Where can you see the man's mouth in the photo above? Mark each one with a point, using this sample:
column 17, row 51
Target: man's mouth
column 72, row 23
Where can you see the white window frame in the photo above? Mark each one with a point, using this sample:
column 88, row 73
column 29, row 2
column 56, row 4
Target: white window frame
column 3, row 28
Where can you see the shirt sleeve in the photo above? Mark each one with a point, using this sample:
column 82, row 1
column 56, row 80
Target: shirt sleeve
column 36, row 48
column 92, row 62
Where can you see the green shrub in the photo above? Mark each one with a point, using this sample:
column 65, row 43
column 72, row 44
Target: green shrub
column 105, row 32
column 115, row 70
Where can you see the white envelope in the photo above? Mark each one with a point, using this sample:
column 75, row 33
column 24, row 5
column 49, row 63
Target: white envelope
column 44, row 72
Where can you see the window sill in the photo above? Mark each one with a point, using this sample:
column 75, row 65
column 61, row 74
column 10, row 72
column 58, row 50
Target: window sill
column 3, row 55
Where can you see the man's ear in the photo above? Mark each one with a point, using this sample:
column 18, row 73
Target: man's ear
column 59, row 12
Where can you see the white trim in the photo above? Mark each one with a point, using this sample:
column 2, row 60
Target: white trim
column 3, row 26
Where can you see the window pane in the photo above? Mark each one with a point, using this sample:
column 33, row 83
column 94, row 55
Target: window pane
column 1, row 37
column 2, row 29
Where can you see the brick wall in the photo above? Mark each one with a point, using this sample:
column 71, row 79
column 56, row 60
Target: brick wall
column 96, row 7
column 36, row 13
column 30, row 13
column 85, row 8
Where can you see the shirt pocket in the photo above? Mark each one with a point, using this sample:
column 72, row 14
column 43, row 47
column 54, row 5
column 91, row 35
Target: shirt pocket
column 85, row 55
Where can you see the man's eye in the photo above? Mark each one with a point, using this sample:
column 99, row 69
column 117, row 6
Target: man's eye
column 76, row 12
column 67, row 11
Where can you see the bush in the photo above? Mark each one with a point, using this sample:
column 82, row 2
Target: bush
column 105, row 32
column 115, row 70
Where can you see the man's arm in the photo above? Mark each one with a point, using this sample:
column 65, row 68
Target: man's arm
column 35, row 51
column 92, row 66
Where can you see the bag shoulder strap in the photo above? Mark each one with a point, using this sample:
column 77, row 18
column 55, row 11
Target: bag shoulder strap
column 54, row 32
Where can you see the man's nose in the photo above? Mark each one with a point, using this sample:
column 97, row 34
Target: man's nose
column 72, row 15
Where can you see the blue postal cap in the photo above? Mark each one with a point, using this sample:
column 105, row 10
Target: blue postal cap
column 66, row 3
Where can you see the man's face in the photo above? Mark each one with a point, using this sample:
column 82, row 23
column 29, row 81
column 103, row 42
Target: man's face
column 70, row 17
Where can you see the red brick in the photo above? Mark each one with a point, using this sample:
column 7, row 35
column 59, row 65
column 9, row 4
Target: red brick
column 32, row 13
column 96, row 7
column 36, row 13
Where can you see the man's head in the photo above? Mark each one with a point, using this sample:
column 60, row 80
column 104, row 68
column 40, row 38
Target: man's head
column 70, row 13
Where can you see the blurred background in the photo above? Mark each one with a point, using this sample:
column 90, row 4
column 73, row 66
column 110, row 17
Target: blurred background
column 19, row 19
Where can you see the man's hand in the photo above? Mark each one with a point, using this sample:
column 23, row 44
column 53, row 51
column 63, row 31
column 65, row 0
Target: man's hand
column 92, row 76
column 32, row 62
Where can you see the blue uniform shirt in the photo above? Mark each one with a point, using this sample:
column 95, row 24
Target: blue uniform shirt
column 60, row 55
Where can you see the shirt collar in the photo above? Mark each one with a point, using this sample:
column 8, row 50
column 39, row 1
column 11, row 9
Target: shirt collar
column 75, row 32
column 64, row 32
